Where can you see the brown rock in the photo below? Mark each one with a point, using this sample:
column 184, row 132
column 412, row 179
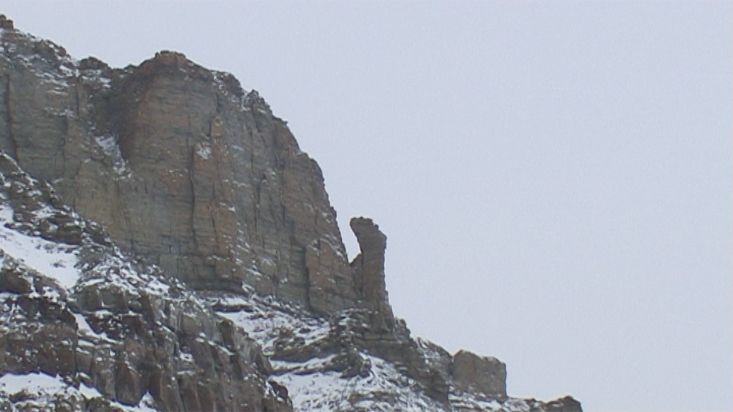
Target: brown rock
column 6, row 23
column 368, row 266
column 486, row 375
column 565, row 404
column 181, row 167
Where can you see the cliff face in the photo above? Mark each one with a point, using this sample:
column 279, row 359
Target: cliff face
column 191, row 182
column 180, row 166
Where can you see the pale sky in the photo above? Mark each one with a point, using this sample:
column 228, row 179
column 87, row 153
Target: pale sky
column 554, row 178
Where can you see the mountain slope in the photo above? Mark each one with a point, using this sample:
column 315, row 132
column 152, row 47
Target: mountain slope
column 207, row 271
column 97, row 330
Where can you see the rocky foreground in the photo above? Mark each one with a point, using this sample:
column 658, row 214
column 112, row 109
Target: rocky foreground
column 167, row 246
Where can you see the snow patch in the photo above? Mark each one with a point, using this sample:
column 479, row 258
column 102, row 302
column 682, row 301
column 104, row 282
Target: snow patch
column 43, row 386
column 111, row 149
column 263, row 321
column 329, row 391
column 203, row 150
column 32, row 382
column 48, row 258
column 85, row 329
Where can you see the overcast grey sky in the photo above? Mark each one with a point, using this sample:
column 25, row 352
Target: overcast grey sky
column 554, row 178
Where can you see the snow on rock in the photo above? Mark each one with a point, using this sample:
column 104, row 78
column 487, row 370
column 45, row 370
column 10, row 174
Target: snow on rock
column 264, row 319
column 33, row 382
column 52, row 259
column 41, row 388
column 316, row 379
column 203, row 150
column 110, row 148
column 72, row 302
column 383, row 389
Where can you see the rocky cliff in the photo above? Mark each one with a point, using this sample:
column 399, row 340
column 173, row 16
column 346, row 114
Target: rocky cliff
column 167, row 246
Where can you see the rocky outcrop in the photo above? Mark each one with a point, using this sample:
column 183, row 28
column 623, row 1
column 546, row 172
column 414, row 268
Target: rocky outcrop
column 565, row 404
column 181, row 166
column 207, row 271
column 368, row 266
column 485, row 375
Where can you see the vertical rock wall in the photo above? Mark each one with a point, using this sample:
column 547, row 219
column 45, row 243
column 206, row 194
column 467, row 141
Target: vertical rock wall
column 181, row 166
